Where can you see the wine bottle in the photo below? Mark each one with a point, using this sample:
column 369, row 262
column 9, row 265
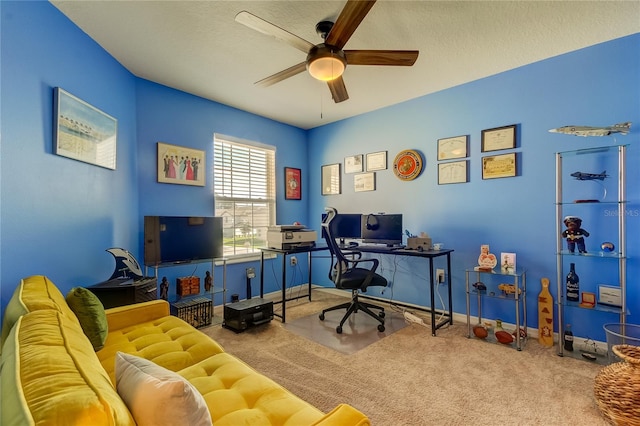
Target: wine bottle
column 568, row 338
column 573, row 284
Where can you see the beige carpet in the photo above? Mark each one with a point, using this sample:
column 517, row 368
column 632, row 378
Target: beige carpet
column 412, row 378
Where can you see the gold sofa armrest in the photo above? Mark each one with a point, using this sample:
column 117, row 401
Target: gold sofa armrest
column 342, row 415
column 124, row 316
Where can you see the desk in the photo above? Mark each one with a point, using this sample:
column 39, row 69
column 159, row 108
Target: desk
column 428, row 254
column 284, row 253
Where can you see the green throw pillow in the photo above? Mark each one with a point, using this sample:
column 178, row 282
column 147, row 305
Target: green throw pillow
column 90, row 313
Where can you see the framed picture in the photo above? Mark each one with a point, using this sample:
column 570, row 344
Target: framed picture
column 331, row 179
column 453, row 172
column 83, row 132
column 499, row 138
column 377, row 161
column 451, row 148
column 180, row 165
column 364, row 182
column 499, row 166
column 353, row 164
column 292, row 184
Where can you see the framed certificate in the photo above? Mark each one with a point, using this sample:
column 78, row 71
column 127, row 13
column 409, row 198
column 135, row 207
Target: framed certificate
column 499, row 138
column 377, row 161
column 499, row 166
column 353, row 164
column 453, row 172
column 451, row 148
column 364, row 182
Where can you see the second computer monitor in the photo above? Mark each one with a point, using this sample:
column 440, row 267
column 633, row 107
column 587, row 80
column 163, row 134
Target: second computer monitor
column 382, row 229
column 345, row 226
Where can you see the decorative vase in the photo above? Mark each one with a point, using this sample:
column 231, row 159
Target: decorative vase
column 617, row 387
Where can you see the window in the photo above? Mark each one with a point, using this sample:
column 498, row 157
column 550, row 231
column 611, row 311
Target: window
column 244, row 193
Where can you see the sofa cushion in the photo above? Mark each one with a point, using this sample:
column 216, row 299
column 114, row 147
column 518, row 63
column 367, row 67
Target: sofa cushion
column 156, row 396
column 249, row 397
column 90, row 312
column 167, row 341
column 54, row 376
column 32, row 294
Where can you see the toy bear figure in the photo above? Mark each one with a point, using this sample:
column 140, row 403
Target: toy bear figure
column 574, row 234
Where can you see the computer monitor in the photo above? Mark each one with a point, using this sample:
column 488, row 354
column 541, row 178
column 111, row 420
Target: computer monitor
column 344, row 225
column 382, row 229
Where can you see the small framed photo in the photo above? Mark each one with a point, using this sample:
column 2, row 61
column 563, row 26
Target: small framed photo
column 499, row 138
column 83, row 132
column 453, row 172
column 353, row 164
column 364, row 182
column 292, row 184
column 499, row 166
column 452, row 148
column 508, row 263
column 180, row 165
column 331, row 179
column 377, row 161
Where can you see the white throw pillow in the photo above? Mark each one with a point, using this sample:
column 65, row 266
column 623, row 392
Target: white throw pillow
column 157, row 396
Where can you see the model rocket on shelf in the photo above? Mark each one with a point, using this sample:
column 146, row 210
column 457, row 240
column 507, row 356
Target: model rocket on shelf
column 622, row 128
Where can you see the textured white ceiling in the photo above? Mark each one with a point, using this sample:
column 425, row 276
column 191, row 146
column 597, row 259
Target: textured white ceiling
column 197, row 47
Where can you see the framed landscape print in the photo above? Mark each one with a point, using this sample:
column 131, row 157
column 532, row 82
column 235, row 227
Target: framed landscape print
column 292, row 184
column 180, row 165
column 83, row 132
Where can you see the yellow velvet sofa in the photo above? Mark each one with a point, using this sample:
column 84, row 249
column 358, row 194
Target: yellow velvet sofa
column 51, row 375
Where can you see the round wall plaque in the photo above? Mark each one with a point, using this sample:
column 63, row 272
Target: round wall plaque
column 407, row 164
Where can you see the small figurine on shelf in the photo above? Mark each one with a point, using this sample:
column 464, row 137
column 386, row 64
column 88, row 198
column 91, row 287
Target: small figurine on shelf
column 486, row 261
column 208, row 281
column 574, row 234
column 164, row 288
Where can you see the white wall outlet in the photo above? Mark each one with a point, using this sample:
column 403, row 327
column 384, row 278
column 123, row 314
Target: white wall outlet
column 293, row 260
column 440, row 276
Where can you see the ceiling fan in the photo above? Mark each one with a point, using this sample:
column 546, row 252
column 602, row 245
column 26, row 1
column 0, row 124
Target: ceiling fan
column 327, row 61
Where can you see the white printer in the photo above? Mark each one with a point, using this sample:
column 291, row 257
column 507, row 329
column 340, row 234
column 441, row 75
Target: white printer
column 287, row 237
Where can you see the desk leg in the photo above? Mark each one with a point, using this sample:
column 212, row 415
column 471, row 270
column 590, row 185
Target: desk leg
column 309, row 264
column 261, row 274
column 433, row 302
column 449, row 283
column 284, row 287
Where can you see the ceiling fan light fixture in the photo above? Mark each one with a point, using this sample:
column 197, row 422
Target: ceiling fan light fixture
column 325, row 63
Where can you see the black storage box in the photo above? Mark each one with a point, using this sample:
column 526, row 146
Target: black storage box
column 241, row 315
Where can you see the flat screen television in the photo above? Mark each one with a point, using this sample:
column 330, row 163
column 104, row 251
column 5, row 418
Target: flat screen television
column 344, row 225
column 382, row 229
column 181, row 239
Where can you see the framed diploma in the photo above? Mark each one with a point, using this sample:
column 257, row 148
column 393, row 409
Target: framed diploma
column 499, row 138
column 377, row 161
column 499, row 166
column 364, row 182
column 353, row 164
column 453, row 172
column 331, row 179
column 451, row 148
column 293, row 184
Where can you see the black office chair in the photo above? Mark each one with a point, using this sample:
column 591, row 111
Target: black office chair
column 346, row 274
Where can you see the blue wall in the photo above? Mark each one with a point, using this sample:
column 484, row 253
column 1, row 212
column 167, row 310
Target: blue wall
column 59, row 215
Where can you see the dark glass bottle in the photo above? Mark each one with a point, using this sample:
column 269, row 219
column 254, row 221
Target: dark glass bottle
column 568, row 338
column 573, row 285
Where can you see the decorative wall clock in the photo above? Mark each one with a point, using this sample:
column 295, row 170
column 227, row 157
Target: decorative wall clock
column 408, row 164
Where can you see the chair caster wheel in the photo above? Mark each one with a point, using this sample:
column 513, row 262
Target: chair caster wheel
column 339, row 330
column 381, row 328
column 321, row 316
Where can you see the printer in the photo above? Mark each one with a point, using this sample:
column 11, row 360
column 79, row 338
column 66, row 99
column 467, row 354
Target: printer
column 289, row 237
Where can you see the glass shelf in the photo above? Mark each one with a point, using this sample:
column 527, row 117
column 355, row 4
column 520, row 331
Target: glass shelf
column 611, row 255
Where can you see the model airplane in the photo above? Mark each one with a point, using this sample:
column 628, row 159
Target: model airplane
column 585, row 131
column 590, row 176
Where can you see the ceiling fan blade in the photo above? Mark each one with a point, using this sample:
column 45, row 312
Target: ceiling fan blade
column 352, row 14
column 338, row 90
column 252, row 21
column 284, row 74
column 381, row 57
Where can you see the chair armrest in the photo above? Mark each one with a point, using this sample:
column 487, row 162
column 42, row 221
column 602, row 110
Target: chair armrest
column 124, row 316
column 343, row 415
